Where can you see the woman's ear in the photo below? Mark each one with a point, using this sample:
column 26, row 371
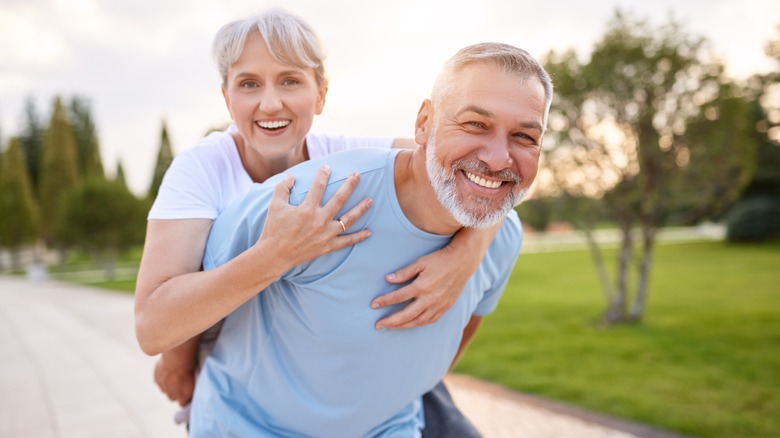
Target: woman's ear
column 320, row 105
column 227, row 100
column 423, row 124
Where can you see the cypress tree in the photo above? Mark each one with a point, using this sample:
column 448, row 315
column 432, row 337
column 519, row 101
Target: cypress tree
column 87, row 145
column 164, row 159
column 120, row 174
column 59, row 167
column 32, row 143
column 19, row 220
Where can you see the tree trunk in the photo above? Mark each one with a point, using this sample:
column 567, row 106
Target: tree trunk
column 645, row 265
column 616, row 312
column 598, row 263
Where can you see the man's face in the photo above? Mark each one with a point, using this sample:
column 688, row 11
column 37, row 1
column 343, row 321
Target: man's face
column 483, row 143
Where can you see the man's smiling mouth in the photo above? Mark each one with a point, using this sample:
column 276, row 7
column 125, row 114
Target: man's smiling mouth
column 480, row 181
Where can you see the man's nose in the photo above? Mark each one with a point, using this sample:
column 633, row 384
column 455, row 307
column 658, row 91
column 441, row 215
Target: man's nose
column 270, row 100
column 495, row 153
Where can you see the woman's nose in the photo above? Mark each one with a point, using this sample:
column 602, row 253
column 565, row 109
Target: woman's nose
column 270, row 100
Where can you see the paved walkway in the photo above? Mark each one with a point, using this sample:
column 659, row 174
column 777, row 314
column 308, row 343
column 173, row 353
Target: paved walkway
column 70, row 367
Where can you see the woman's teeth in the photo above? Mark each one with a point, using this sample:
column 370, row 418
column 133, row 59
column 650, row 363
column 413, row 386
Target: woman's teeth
column 273, row 125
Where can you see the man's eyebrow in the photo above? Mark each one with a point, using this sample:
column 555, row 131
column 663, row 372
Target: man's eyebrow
column 478, row 110
column 483, row 112
column 531, row 125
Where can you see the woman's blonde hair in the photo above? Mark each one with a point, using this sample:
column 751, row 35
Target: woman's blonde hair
column 290, row 40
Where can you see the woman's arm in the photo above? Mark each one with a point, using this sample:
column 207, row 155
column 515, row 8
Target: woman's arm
column 438, row 279
column 175, row 301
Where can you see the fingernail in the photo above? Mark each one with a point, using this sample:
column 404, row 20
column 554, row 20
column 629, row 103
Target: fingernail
column 325, row 167
column 391, row 276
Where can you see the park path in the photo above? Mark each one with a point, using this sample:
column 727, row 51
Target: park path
column 70, row 367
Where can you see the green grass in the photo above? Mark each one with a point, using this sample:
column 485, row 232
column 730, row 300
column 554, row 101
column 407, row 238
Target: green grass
column 705, row 361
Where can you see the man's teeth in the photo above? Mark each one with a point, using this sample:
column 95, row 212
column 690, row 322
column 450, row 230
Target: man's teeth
column 482, row 181
column 273, row 125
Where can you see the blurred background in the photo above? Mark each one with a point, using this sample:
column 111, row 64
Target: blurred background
column 652, row 253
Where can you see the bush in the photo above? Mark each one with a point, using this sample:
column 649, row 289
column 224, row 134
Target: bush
column 755, row 219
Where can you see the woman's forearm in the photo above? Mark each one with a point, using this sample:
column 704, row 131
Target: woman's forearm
column 186, row 305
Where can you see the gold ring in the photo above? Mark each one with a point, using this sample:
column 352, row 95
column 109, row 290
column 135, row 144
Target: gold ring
column 343, row 227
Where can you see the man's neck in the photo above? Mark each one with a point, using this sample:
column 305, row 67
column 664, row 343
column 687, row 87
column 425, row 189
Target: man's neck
column 416, row 196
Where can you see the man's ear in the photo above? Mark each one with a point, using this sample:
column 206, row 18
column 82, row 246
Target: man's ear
column 424, row 122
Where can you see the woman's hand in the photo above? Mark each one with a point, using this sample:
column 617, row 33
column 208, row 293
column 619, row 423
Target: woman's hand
column 301, row 233
column 439, row 278
column 174, row 371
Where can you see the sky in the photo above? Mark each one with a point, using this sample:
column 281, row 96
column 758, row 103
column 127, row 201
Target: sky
column 143, row 62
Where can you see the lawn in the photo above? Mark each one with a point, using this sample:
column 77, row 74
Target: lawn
column 705, row 361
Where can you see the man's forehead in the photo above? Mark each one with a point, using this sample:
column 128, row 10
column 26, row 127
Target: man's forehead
column 488, row 91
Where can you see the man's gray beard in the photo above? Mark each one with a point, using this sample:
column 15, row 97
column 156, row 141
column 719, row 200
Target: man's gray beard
column 443, row 183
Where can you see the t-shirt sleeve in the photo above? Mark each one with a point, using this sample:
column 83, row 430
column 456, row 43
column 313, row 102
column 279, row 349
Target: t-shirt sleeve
column 501, row 259
column 185, row 192
column 320, row 145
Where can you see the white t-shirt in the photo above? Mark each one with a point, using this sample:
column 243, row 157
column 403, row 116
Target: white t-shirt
column 205, row 179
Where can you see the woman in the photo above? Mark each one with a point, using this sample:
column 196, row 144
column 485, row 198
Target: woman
column 273, row 84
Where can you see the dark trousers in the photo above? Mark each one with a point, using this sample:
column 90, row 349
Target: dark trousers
column 442, row 417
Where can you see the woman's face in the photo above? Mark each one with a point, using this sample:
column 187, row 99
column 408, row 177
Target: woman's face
column 272, row 104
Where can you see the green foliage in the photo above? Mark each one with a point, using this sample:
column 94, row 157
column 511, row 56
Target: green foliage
column 101, row 215
column 19, row 218
column 164, row 159
column 703, row 364
column 103, row 218
column 89, row 162
column 754, row 219
column 536, row 212
column 32, row 143
column 59, row 167
column 120, row 174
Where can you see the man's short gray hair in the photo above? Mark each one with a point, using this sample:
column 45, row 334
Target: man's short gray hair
column 290, row 40
column 510, row 59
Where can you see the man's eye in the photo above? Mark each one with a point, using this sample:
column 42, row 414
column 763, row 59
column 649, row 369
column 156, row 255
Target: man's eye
column 249, row 84
column 479, row 125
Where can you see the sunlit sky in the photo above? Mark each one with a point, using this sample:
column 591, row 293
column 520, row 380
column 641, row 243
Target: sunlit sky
column 139, row 62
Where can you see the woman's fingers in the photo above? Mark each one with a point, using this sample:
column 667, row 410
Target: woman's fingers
column 317, row 189
column 337, row 201
column 349, row 218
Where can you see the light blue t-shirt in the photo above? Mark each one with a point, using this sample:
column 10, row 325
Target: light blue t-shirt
column 302, row 358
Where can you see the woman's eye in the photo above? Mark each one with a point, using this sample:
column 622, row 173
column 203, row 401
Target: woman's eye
column 249, row 84
column 290, row 81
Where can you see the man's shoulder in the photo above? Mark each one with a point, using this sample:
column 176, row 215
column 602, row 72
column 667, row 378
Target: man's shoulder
column 365, row 161
column 506, row 245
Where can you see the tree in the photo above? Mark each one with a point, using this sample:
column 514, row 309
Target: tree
column 19, row 220
column 164, row 159
column 87, row 145
column 59, row 168
column 756, row 216
column 120, row 174
column 104, row 219
column 31, row 140
column 653, row 129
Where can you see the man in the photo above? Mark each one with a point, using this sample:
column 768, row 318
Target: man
column 302, row 358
